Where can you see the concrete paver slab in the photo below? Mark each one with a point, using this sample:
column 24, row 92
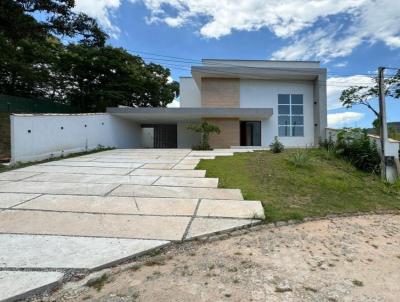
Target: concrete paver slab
column 184, row 166
column 177, row 173
column 176, row 192
column 231, row 208
column 135, row 160
column 56, row 188
column 166, row 206
column 93, row 225
column 99, row 179
column 158, row 166
column 79, row 170
column 40, row 251
column 19, row 285
column 112, row 205
column 203, row 226
column 11, row 199
column 187, row 182
column 131, row 165
column 189, row 161
column 16, row 175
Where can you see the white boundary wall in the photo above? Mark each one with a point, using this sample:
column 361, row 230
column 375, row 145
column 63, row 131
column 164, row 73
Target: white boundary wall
column 37, row 137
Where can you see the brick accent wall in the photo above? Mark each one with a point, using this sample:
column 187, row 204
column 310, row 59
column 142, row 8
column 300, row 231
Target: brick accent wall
column 230, row 132
column 220, row 93
column 5, row 136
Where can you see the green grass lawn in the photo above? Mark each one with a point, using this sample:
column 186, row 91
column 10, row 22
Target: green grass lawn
column 325, row 185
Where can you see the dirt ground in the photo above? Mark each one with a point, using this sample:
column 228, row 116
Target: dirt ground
column 342, row 259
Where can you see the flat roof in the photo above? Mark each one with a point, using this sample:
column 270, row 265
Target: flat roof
column 162, row 114
column 260, row 60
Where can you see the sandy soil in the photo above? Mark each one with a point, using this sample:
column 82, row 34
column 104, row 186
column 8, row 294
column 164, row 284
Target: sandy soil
column 343, row 259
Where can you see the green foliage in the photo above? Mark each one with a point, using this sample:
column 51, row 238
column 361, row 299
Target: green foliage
column 364, row 94
column 86, row 74
column 355, row 146
column 300, row 158
column 205, row 129
column 276, row 146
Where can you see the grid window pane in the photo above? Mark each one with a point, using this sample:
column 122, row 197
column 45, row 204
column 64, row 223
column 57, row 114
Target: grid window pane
column 290, row 115
column 297, row 109
column 297, row 99
column 284, row 120
column 298, row 131
column 283, row 99
column 283, row 109
column 284, row 131
column 297, row 120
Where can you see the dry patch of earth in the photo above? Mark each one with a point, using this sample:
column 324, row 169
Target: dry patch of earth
column 340, row 259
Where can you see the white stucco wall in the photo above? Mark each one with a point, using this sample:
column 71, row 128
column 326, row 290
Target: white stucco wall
column 187, row 138
column 46, row 139
column 189, row 95
column 264, row 94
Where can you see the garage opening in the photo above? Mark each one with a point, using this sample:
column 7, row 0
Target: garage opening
column 159, row 136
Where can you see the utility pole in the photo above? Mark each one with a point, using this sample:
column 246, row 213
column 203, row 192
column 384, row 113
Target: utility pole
column 382, row 119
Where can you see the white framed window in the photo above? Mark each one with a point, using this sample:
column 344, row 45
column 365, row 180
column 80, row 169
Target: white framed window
column 290, row 115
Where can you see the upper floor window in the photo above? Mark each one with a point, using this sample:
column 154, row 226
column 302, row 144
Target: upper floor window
column 290, row 115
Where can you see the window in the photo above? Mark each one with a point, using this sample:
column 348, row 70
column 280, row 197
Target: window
column 290, row 115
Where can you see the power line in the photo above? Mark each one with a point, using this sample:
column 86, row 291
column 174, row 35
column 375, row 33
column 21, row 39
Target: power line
column 192, row 61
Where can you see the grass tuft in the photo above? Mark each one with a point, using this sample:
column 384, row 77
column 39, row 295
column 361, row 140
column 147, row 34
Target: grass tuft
column 98, row 283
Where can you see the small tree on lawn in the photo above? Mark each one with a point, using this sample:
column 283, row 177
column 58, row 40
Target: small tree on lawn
column 204, row 129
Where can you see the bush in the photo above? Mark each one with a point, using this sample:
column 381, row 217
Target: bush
column 276, row 146
column 355, row 146
column 300, row 158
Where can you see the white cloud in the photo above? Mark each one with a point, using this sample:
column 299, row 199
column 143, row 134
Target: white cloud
column 308, row 26
column 344, row 119
column 102, row 11
column 335, row 86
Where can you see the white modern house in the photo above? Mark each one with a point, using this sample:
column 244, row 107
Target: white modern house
column 251, row 101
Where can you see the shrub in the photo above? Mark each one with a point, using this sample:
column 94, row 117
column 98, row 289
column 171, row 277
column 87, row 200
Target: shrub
column 276, row 146
column 355, row 146
column 300, row 158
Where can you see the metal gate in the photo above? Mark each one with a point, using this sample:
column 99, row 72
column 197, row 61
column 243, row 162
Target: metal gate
column 165, row 136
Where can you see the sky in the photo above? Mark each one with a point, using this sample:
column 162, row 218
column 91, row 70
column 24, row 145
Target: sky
column 350, row 38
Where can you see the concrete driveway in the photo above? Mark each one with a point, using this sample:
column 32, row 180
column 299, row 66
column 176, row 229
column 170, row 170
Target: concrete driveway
column 85, row 213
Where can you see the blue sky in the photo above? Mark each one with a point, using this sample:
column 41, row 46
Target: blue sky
column 346, row 36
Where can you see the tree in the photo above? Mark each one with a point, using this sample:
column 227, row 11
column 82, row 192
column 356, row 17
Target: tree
column 30, row 48
column 35, row 60
column 114, row 76
column 57, row 18
column 205, row 129
column 363, row 95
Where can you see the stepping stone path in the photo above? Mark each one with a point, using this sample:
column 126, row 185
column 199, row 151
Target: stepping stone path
column 86, row 213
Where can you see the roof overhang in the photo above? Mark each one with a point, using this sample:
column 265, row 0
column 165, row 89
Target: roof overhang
column 259, row 73
column 170, row 115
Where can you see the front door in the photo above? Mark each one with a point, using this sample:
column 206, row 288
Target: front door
column 250, row 133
